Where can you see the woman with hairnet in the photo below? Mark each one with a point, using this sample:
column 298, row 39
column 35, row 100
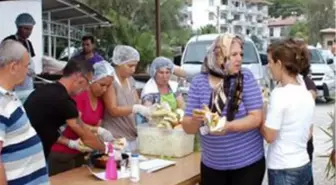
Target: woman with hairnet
column 25, row 24
column 121, row 100
column 67, row 155
column 160, row 88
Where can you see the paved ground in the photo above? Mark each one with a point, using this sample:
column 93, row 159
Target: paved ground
column 321, row 119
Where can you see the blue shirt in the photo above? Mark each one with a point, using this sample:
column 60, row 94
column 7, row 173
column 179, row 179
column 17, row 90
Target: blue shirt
column 22, row 152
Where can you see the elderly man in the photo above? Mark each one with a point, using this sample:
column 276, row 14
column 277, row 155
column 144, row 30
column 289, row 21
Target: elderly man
column 22, row 159
column 25, row 23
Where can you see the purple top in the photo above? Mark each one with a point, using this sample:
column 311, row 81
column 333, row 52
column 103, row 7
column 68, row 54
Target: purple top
column 96, row 57
column 235, row 149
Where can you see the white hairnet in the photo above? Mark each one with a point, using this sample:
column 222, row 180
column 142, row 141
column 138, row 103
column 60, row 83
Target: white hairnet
column 161, row 62
column 102, row 69
column 24, row 19
column 123, row 54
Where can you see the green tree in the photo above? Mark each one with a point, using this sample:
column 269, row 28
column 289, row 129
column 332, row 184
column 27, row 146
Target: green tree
column 134, row 24
column 320, row 15
column 299, row 30
column 207, row 29
column 286, row 8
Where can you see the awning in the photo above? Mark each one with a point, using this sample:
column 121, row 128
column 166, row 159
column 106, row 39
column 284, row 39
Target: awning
column 77, row 13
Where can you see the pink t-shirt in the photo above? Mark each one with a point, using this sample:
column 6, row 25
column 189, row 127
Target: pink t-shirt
column 88, row 115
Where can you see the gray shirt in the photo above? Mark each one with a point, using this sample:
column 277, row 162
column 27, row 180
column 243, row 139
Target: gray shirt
column 123, row 126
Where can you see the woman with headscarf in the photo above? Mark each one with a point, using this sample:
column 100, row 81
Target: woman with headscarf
column 121, row 99
column 68, row 155
column 160, row 88
column 234, row 155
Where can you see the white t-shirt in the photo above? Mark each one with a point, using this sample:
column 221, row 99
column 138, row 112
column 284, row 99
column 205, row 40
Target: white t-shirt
column 290, row 112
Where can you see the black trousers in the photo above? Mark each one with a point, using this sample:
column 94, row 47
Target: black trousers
column 310, row 150
column 249, row 175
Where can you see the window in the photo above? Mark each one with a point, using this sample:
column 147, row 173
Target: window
column 196, row 51
column 223, row 15
column 248, row 32
column 271, row 30
column 236, row 17
column 236, row 4
column 330, row 42
column 223, row 29
column 224, row 2
column 238, row 29
column 249, row 18
column 315, row 57
column 282, row 31
column 211, row 16
column 211, row 2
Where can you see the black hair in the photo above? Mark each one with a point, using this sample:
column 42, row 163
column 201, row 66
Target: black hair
column 77, row 66
column 88, row 37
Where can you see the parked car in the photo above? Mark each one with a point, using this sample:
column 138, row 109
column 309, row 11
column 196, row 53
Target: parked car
column 322, row 74
column 328, row 56
column 196, row 50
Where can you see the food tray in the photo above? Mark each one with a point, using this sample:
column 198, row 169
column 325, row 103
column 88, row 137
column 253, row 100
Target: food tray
column 164, row 142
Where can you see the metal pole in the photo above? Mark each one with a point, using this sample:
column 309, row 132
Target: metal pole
column 158, row 29
column 69, row 38
column 49, row 33
column 55, row 47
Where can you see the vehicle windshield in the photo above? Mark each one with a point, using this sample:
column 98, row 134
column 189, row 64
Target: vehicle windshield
column 196, row 52
column 316, row 57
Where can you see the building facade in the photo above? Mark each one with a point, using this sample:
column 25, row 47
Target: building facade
column 247, row 17
column 279, row 27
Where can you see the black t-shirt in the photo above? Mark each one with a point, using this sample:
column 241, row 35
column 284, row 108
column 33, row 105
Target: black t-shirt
column 25, row 44
column 48, row 108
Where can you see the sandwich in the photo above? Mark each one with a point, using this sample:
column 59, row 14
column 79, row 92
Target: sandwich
column 213, row 120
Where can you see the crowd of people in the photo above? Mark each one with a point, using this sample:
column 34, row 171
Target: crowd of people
column 96, row 102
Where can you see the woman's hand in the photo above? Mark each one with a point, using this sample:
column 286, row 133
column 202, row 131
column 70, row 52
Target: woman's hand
column 104, row 134
column 198, row 118
column 77, row 145
column 223, row 130
column 191, row 124
column 141, row 109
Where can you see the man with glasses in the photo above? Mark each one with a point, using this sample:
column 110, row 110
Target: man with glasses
column 51, row 106
column 21, row 154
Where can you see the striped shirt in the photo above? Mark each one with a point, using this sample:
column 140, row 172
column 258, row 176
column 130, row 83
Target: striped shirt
column 234, row 150
column 22, row 152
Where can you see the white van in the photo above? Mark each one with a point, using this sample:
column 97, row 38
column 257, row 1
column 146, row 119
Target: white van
column 196, row 49
column 322, row 74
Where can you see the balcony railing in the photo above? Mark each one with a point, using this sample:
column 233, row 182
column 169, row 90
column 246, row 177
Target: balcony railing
column 60, row 30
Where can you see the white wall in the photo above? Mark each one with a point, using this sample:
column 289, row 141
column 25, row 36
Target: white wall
column 200, row 13
column 9, row 10
column 276, row 31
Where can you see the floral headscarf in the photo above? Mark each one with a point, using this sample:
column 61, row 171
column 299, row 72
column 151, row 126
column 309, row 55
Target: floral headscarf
column 218, row 65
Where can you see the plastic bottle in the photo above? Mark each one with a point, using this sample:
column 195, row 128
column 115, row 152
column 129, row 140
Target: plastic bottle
column 135, row 168
column 111, row 172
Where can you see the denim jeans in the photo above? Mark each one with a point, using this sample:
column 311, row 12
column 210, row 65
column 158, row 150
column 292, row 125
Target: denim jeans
column 294, row 176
